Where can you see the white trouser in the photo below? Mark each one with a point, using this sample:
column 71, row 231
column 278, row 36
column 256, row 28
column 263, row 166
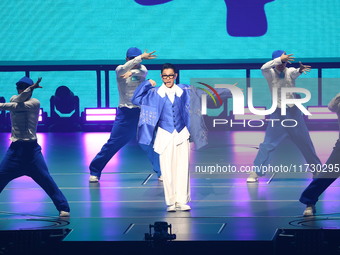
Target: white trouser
column 174, row 163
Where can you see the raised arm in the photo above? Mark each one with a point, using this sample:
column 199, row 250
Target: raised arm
column 296, row 72
column 22, row 106
column 8, row 106
column 27, row 93
column 141, row 91
column 142, row 72
column 139, row 72
column 122, row 69
column 23, row 96
column 266, row 68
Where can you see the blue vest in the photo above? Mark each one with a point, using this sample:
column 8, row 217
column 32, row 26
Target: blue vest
column 171, row 116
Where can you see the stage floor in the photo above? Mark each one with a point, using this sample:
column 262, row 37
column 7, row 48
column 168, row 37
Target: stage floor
column 129, row 197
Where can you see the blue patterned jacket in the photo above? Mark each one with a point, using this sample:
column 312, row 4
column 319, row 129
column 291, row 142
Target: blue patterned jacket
column 152, row 99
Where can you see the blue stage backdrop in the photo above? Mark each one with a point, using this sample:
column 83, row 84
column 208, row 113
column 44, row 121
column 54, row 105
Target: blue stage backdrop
column 178, row 29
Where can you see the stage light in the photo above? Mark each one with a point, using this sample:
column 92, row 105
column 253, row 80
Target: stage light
column 41, row 117
column 321, row 113
column 100, row 114
column 161, row 233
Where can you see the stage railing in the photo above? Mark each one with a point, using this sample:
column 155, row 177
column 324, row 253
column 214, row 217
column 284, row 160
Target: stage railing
column 106, row 66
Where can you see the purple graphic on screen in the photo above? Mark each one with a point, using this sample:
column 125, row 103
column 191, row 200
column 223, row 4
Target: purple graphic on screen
column 151, row 2
column 246, row 17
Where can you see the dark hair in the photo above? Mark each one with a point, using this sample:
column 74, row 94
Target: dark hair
column 22, row 85
column 168, row 66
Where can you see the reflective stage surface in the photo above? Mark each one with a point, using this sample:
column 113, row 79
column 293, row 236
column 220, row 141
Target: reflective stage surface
column 129, row 196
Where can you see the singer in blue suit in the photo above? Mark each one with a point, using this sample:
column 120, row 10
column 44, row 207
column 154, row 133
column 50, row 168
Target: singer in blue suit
column 170, row 114
column 165, row 122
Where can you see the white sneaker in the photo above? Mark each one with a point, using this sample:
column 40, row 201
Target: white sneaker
column 64, row 214
column 183, row 207
column 160, row 178
column 171, row 208
column 309, row 211
column 93, row 178
column 253, row 177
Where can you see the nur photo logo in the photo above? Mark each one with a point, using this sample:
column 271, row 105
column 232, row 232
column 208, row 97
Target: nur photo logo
column 212, row 95
column 218, row 93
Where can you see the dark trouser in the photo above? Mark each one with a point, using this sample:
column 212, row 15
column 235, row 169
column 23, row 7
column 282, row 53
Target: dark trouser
column 123, row 130
column 25, row 158
column 311, row 194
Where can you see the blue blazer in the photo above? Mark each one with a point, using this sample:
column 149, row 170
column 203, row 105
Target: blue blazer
column 151, row 100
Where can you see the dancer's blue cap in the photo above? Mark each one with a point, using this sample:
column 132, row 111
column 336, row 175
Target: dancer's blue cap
column 133, row 52
column 26, row 80
column 277, row 53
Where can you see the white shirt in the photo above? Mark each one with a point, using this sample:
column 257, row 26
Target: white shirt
column 24, row 116
column 170, row 92
column 127, row 87
column 273, row 77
